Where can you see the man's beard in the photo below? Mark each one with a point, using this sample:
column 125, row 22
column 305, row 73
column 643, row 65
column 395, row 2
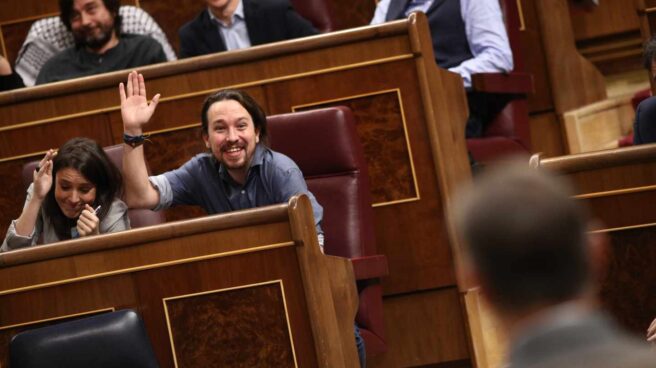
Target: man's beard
column 94, row 42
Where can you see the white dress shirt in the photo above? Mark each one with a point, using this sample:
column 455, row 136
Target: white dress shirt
column 234, row 35
column 486, row 35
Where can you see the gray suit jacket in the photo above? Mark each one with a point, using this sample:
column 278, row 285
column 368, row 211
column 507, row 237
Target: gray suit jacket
column 589, row 340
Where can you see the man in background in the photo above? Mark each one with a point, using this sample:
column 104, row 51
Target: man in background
column 528, row 248
column 99, row 46
column 644, row 126
column 469, row 37
column 234, row 24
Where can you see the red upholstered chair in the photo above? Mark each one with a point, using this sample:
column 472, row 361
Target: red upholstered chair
column 318, row 12
column 637, row 98
column 325, row 145
column 509, row 132
column 138, row 217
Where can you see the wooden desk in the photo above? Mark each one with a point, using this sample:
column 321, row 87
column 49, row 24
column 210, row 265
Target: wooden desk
column 410, row 116
column 619, row 188
column 255, row 275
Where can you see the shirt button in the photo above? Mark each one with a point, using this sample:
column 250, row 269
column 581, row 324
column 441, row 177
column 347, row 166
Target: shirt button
column 243, row 192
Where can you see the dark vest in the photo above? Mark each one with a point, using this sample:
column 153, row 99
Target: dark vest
column 447, row 30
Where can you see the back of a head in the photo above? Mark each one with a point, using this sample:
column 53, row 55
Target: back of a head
column 525, row 237
column 649, row 53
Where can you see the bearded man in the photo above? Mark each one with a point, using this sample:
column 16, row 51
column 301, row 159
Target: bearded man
column 99, row 45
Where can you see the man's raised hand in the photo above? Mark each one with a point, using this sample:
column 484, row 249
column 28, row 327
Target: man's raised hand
column 135, row 109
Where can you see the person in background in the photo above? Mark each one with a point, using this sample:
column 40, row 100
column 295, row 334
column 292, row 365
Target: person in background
column 644, row 126
column 235, row 24
column 469, row 37
column 528, row 247
column 99, row 47
column 8, row 78
column 75, row 193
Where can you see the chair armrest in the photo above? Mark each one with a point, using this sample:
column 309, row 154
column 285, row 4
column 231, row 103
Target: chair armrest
column 370, row 267
column 513, row 82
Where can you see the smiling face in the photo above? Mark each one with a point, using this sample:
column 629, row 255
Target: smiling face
column 73, row 191
column 232, row 137
column 93, row 25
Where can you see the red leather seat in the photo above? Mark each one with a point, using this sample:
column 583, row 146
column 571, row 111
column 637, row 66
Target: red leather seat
column 138, row 217
column 325, row 146
column 318, row 12
column 509, row 132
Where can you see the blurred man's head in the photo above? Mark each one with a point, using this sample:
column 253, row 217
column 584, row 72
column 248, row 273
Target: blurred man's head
column 650, row 56
column 94, row 23
column 525, row 239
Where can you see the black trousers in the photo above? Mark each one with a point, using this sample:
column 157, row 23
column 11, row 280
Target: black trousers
column 483, row 108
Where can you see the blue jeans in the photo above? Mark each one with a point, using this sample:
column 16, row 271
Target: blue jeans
column 359, row 344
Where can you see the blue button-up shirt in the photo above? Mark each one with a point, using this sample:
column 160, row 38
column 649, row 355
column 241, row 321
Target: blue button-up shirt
column 271, row 179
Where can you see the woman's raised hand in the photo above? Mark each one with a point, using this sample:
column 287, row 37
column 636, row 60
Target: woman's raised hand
column 42, row 177
column 135, row 109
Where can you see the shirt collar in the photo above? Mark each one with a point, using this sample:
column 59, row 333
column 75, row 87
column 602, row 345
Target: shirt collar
column 237, row 15
column 258, row 160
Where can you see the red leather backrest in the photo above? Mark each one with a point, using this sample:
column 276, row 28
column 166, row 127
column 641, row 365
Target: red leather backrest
column 318, row 12
column 325, row 146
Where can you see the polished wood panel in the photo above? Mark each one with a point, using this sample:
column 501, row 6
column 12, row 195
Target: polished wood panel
column 609, row 17
column 23, row 139
column 599, row 125
column 574, row 80
column 627, row 288
column 432, row 330
column 13, row 10
column 145, row 268
column 12, row 193
column 535, row 61
column 384, row 141
column 249, row 327
column 619, row 188
column 547, row 135
column 609, row 35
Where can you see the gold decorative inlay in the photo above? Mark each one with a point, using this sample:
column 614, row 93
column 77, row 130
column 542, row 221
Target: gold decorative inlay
column 405, row 133
column 28, row 155
column 520, row 12
column 616, row 192
column 98, row 311
column 29, row 19
column 149, row 267
column 623, row 228
column 284, row 301
column 2, row 43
